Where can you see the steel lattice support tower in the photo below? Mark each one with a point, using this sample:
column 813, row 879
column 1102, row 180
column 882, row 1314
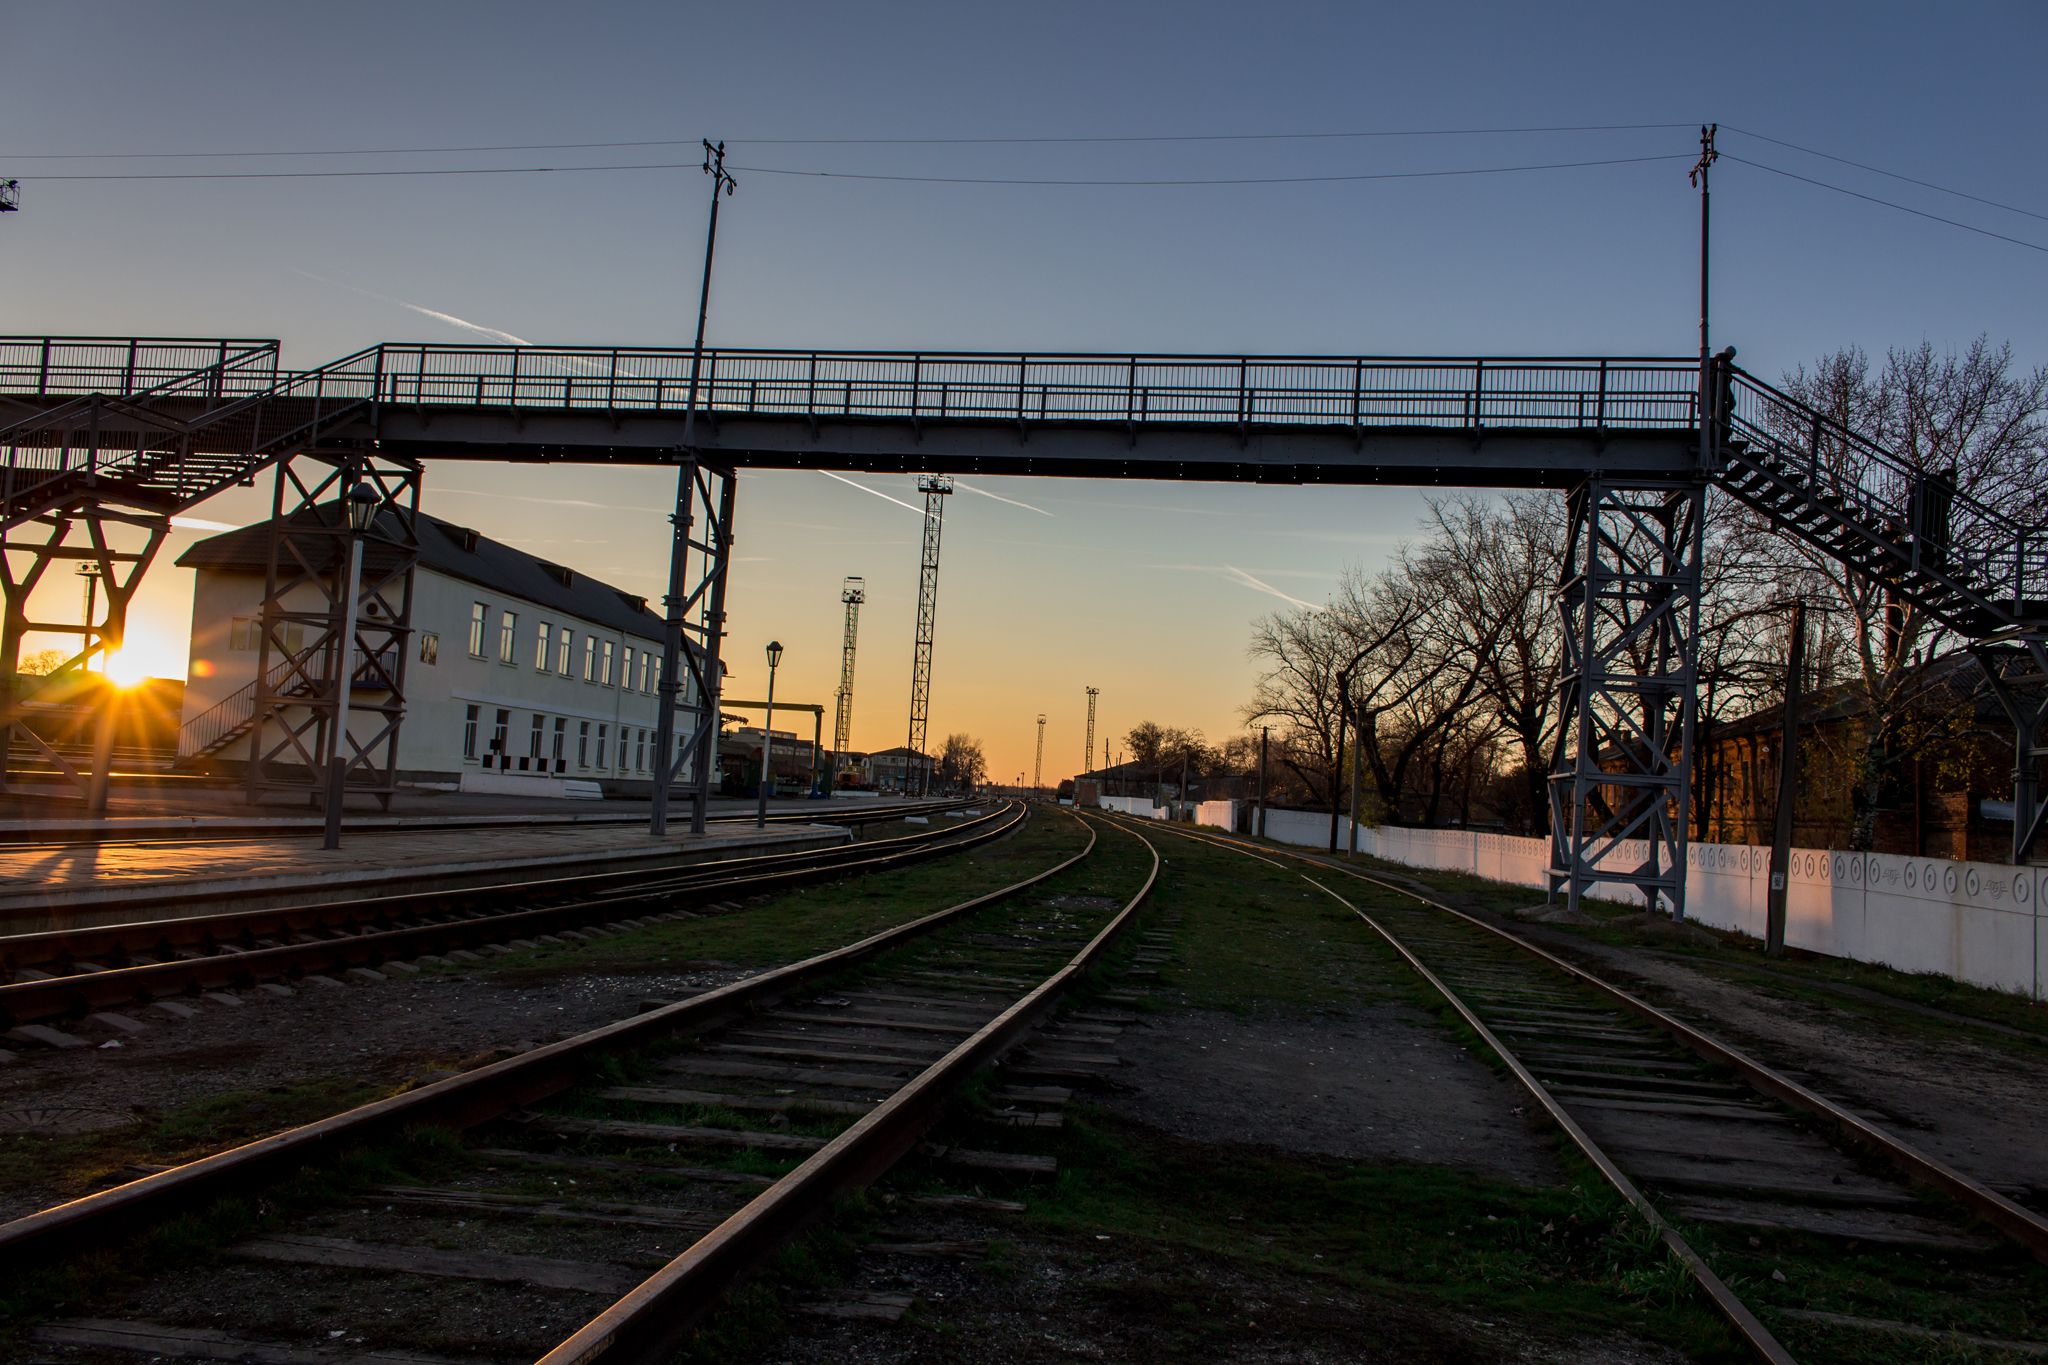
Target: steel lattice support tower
column 1038, row 762
column 2018, row 672
column 1630, row 607
column 1088, row 745
column 852, row 593
column 935, row 487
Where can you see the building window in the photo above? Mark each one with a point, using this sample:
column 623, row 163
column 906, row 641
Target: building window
column 626, row 670
column 623, row 732
column 643, row 670
column 582, row 743
column 508, row 635
column 479, row 615
column 561, row 738
column 563, row 639
column 541, row 652
column 600, row 745
column 640, row 752
column 470, row 715
column 657, row 674
column 245, row 633
column 590, row 658
column 500, row 731
column 430, row 647
column 534, row 740
column 604, row 671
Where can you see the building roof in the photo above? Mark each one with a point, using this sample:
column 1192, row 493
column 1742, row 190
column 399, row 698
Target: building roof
column 460, row 553
column 902, row 751
column 1944, row 683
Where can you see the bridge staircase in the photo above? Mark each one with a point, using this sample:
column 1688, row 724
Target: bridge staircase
column 1977, row 569
column 162, row 448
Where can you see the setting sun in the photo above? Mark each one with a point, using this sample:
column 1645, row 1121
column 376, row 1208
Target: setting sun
column 127, row 668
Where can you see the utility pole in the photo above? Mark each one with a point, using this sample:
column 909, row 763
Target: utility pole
column 91, row 574
column 852, row 592
column 935, row 487
column 1788, row 786
column 1698, row 177
column 1265, row 733
column 1038, row 762
column 722, row 186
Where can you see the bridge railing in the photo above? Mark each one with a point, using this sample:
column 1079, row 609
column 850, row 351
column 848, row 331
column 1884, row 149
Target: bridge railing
column 1998, row 554
column 1364, row 391
column 126, row 366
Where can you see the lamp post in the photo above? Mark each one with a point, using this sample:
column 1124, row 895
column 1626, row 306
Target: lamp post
column 359, row 506
column 768, row 736
column 91, row 574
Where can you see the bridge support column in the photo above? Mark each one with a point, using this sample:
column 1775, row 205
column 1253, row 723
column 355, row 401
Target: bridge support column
column 302, row 618
column 1619, row 772
column 695, row 611
column 2019, row 679
column 27, row 552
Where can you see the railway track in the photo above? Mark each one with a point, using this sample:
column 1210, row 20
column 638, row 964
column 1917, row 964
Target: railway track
column 1739, row 1169
column 63, row 974
column 598, row 1194
column 186, row 834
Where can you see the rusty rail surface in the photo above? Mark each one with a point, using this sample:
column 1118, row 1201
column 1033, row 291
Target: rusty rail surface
column 649, row 1323
column 239, row 951
column 2023, row 1226
column 463, row 1101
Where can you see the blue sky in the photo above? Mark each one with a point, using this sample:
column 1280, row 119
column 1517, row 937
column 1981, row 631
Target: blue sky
column 1138, row 588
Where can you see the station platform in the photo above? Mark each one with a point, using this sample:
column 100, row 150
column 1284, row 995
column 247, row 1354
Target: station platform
column 56, row 885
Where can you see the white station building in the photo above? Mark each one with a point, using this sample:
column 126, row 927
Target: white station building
column 525, row 677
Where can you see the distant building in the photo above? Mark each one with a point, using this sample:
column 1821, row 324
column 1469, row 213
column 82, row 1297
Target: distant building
column 795, row 756
column 901, row 769
column 519, row 669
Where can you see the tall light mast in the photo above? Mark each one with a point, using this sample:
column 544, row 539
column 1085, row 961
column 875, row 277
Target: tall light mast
column 853, row 592
column 1038, row 763
column 935, row 487
column 1088, row 746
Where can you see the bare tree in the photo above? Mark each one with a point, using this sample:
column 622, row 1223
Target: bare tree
column 961, row 765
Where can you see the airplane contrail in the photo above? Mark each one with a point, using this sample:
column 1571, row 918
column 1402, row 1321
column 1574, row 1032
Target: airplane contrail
column 875, row 492
column 464, row 323
column 1239, row 576
column 1000, row 498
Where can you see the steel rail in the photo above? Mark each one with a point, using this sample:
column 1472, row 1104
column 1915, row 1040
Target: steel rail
column 459, row 1102
column 656, row 1316
column 60, row 997
column 1754, row 1334
column 1737, row 1314
column 172, row 833
column 47, row 948
column 2022, row 1225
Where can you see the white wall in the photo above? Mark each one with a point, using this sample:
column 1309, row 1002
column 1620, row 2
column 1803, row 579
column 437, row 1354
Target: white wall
column 1974, row 922
column 438, row 694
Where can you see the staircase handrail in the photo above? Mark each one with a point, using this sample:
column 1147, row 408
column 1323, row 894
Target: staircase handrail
column 237, row 708
column 83, row 364
column 1987, row 552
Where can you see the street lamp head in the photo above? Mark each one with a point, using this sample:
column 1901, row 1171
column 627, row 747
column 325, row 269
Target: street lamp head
column 774, row 653
column 360, row 503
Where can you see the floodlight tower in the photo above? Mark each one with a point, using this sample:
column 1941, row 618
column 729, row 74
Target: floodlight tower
column 1088, row 746
column 853, row 592
column 1038, row 763
column 935, row 487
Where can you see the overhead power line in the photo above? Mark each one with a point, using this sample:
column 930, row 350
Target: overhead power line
column 1873, row 199
column 1889, row 175
column 861, row 142
column 840, row 175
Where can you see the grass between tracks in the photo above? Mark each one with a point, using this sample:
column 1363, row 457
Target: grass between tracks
column 765, row 932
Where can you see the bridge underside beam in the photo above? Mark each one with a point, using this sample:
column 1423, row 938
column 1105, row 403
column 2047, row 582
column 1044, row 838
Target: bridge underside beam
column 1630, row 607
column 1292, row 453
